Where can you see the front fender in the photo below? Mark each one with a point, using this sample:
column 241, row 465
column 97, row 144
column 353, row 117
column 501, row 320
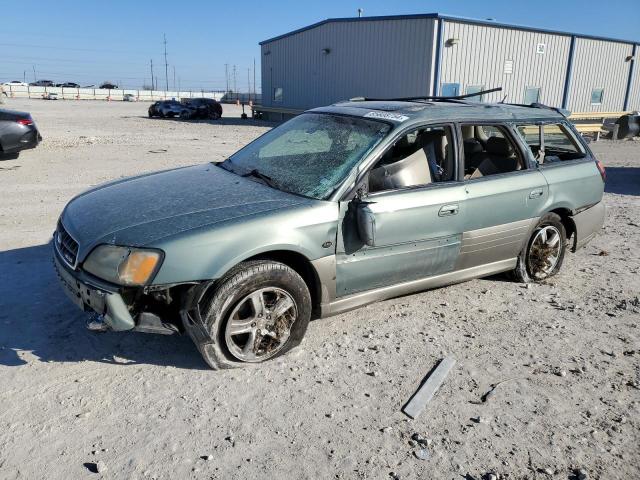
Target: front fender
column 208, row 253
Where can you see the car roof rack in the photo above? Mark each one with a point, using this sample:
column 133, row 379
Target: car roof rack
column 565, row 113
column 428, row 98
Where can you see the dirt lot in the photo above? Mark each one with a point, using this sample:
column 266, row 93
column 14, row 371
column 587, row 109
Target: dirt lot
column 565, row 356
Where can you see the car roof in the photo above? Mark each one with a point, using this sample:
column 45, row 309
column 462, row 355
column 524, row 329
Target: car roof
column 14, row 113
column 400, row 111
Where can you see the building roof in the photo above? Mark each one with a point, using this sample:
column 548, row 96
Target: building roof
column 448, row 17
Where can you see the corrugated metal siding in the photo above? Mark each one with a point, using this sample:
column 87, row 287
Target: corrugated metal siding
column 599, row 64
column 634, row 94
column 479, row 59
column 390, row 58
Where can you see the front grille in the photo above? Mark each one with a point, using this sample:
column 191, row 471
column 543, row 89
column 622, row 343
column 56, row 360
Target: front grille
column 67, row 247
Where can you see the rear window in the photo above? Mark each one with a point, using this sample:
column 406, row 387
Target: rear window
column 551, row 142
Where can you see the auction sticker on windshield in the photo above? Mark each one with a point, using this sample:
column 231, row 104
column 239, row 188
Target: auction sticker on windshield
column 387, row 116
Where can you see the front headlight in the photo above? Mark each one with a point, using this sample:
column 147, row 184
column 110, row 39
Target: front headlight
column 123, row 265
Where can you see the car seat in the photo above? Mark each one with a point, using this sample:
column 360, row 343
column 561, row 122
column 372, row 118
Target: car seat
column 499, row 157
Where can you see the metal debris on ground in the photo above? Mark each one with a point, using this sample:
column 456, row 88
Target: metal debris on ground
column 430, row 386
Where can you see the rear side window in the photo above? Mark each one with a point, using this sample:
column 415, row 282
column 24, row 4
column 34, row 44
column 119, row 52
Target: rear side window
column 488, row 150
column 551, row 142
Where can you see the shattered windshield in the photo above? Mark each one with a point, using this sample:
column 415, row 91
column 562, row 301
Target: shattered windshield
column 308, row 155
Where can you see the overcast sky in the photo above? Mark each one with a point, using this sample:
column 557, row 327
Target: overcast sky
column 89, row 42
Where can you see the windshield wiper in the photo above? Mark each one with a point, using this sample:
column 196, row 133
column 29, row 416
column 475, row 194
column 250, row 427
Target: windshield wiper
column 265, row 178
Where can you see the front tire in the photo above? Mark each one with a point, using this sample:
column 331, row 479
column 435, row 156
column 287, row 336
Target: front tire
column 544, row 253
column 258, row 311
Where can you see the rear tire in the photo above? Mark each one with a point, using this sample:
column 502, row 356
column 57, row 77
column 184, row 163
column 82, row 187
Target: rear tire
column 544, row 252
column 241, row 314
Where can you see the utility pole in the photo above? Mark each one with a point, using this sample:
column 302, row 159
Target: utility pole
column 235, row 81
column 254, row 79
column 152, row 82
column 24, row 76
column 34, row 73
column 174, row 77
column 249, row 82
column 166, row 64
column 226, row 76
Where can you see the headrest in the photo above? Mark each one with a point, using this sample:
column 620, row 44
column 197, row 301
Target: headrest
column 499, row 146
column 471, row 146
column 403, row 142
column 431, row 135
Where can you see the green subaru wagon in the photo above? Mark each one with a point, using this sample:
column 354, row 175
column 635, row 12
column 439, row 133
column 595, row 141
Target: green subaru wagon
column 339, row 207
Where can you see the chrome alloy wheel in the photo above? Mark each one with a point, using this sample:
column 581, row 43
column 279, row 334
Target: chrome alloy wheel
column 260, row 324
column 544, row 252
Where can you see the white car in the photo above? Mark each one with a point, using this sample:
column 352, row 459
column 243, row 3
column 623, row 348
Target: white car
column 15, row 83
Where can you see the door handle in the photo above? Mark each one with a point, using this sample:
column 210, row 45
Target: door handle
column 447, row 210
column 536, row 193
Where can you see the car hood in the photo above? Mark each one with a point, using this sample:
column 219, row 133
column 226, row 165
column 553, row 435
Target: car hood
column 140, row 210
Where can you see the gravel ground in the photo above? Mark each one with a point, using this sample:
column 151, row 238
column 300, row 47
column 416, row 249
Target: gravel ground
column 563, row 356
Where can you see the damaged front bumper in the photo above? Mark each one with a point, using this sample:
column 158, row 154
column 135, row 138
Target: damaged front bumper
column 91, row 294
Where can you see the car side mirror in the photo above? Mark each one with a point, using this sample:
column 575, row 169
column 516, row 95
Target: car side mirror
column 366, row 222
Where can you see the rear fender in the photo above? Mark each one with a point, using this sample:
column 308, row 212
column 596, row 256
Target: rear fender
column 587, row 224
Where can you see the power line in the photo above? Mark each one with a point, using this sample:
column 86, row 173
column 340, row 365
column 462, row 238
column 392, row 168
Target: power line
column 56, row 47
column 28, row 59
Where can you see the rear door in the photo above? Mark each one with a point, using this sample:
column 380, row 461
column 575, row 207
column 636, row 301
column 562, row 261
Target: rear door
column 575, row 182
column 503, row 204
column 566, row 163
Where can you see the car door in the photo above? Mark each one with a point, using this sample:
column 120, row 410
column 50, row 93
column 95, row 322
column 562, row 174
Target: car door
column 501, row 207
column 418, row 233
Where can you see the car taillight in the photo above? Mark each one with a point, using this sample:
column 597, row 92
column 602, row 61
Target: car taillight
column 25, row 121
column 600, row 166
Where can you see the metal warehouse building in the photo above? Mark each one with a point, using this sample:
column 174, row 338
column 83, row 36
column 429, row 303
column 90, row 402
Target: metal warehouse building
column 433, row 54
